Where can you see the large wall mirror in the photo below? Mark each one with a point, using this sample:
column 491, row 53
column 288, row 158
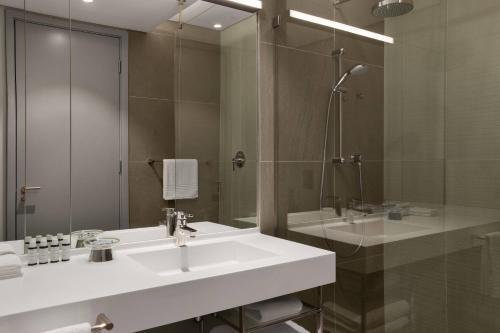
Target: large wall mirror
column 119, row 109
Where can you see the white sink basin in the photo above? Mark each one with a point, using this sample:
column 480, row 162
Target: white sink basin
column 195, row 258
column 378, row 228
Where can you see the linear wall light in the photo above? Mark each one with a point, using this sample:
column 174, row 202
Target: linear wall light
column 246, row 5
column 340, row 26
column 250, row 3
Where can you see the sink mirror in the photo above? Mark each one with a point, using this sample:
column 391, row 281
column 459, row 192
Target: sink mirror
column 117, row 109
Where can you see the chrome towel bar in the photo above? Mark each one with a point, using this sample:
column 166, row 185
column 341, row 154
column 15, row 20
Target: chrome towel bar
column 102, row 323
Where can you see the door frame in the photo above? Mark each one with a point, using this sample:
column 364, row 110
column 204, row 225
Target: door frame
column 13, row 15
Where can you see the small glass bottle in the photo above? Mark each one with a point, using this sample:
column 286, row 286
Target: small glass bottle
column 60, row 238
column 49, row 241
column 27, row 241
column 32, row 253
column 54, row 252
column 38, row 240
column 43, row 252
column 65, row 251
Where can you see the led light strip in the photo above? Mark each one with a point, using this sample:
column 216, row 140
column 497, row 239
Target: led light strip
column 340, row 26
column 250, row 3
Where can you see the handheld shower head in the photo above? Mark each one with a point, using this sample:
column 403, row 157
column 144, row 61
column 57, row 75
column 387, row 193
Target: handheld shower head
column 358, row 69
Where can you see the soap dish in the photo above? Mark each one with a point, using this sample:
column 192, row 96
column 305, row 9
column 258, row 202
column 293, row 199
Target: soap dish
column 101, row 248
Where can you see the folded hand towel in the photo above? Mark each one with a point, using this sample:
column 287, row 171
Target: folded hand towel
column 9, row 262
column 10, row 266
column 421, row 211
column 490, row 265
column 79, row 328
column 6, row 249
column 273, row 308
column 180, row 179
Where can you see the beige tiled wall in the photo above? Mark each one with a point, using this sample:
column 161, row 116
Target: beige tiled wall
column 170, row 118
column 151, row 122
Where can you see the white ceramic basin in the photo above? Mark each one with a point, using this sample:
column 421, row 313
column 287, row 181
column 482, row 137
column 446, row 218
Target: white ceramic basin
column 378, row 228
column 199, row 257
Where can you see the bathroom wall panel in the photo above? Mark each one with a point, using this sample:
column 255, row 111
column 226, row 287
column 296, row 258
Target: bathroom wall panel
column 151, row 65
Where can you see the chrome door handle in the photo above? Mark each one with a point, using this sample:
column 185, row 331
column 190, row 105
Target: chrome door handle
column 25, row 188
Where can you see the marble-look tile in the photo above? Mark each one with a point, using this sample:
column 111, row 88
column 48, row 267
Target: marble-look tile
column 197, row 131
column 267, row 203
column 304, row 82
column 151, row 129
column 472, row 117
column 363, row 114
column 199, row 72
column 145, row 195
column 151, row 65
column 423, row 181
column 473, row 183
column 267, row 124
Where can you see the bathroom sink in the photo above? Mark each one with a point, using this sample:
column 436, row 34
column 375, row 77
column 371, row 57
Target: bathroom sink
column 199, row 257
column 378, row 228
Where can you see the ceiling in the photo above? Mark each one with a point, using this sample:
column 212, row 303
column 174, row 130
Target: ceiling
column 133, row 14
column 205, row 14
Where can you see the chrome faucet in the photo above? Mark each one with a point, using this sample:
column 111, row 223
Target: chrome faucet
column 176, row 224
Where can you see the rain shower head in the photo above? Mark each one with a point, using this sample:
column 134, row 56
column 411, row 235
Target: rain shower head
column 358, row 69
column 392, row 8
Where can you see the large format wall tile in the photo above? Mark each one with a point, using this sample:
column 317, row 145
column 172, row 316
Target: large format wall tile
column 199, row 72
column 304, row 82
column 145, row 194
column 151, row 65
column 473, row 183
column 151, row 129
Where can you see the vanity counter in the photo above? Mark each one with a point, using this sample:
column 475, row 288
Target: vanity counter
column 137, row 298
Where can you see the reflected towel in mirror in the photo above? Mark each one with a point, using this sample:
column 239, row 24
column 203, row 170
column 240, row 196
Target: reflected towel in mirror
column 180, row 179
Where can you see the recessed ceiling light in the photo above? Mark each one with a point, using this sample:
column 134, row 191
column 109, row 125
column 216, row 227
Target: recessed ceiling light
column 88, row 1
column 217, row 25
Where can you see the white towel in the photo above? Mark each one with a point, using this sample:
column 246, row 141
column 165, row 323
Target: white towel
column 10, row 266
column 6, row 249
column 79, row 328
column 288, row 327
column 490, row 265
column 273, row 308
column 421, row 211
column 180, row 179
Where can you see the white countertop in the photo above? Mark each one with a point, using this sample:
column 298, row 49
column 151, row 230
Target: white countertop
column 55, row 295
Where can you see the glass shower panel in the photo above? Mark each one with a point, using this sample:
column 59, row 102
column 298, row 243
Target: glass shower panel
column 216, row 116
column 472, row 166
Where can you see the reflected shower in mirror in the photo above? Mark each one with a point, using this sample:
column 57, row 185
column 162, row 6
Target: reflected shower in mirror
column 128, row 113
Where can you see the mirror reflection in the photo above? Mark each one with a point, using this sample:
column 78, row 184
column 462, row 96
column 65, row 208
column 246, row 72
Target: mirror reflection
column 125, row 116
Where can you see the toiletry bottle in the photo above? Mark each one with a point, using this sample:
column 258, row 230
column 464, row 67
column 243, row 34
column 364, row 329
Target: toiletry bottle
column 54, row 252
column 60, row 238
column 27, row 241
column 32, row 253
column 49, row 241
column 66, row 247
column 43, row 252
column 38, row 239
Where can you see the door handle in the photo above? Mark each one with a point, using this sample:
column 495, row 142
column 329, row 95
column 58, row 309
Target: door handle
column 25, row 188
column 239, row 160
